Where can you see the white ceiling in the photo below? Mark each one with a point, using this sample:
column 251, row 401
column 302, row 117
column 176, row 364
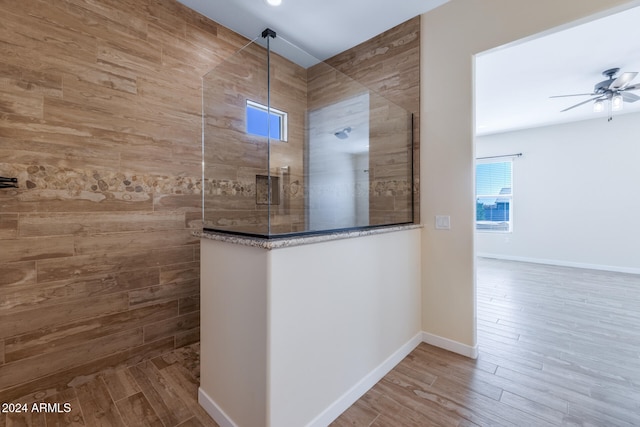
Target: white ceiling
column 514, row 83
column 321, row 28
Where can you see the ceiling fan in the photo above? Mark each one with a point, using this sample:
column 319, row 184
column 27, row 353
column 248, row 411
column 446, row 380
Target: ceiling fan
column 615, row 90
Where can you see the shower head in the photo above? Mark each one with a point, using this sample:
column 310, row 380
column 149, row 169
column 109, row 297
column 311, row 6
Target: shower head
column 344, row 133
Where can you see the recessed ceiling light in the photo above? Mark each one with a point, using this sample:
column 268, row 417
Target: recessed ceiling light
column 274, row 2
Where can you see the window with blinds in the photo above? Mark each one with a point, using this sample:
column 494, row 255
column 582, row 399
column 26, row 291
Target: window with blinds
column 494, row 196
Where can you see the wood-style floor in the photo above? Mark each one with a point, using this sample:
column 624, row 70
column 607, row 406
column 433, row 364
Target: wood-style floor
column 558, row 346
column 161, row 392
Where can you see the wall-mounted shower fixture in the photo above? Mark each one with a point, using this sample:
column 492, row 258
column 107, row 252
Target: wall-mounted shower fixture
column 344, row 133
column 8, row 182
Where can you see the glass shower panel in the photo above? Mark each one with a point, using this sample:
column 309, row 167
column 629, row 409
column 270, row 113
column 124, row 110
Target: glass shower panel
column 358, row 155
column 235, row 158
column 288, row 95
column 338, row 164
column 291, row 145
column 391, row 190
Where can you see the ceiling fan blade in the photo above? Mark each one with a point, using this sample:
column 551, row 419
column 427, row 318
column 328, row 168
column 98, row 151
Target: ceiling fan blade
column 574, row 94
column 633, row 87
column 582, row 103
column 623, row 80
column 630, row 97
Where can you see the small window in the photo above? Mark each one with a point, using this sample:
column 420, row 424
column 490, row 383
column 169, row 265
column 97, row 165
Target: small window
column 494, row 196
column 267, row 122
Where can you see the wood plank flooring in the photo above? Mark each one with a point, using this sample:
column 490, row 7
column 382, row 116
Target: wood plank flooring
column 161, row 392
column 558, row 346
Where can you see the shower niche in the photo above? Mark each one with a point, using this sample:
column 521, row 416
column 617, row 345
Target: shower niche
column 292, row 146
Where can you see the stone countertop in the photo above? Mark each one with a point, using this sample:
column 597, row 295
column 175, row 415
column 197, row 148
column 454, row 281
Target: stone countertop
column 289, row 241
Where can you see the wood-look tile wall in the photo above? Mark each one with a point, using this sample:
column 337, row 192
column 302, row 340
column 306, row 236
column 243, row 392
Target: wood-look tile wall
column 100, row 121
column 389, row 64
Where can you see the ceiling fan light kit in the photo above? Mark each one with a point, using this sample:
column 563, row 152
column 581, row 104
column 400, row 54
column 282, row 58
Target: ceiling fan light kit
column 616, row 102
column 598, row 106
column 614, row 90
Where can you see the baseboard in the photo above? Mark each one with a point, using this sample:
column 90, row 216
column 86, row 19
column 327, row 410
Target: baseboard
column 447, row 344
column 214, row 410
column 561, row 263
column 341, row 404
column 334, row 410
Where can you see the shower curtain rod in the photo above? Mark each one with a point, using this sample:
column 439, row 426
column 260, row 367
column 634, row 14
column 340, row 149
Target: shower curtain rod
column 498, row 157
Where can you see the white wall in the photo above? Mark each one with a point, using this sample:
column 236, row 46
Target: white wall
column 338, row 310
column 576, row 194
column 450, row 35
column 292, row 337
column 233, row 332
